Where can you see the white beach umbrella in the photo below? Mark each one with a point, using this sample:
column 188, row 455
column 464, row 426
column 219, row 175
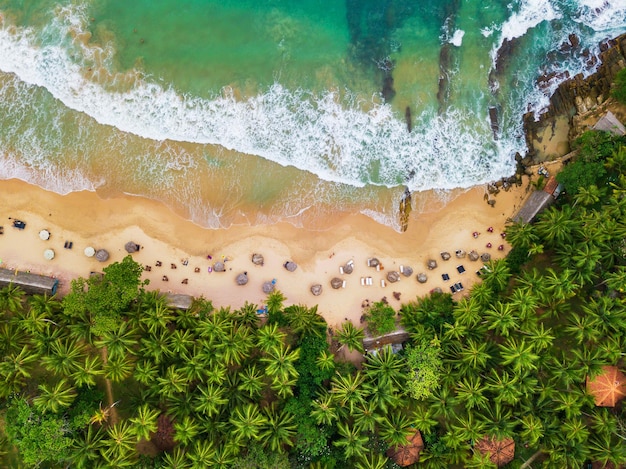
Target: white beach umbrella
column 89, row 251
column 48, row 254
column 44, row 234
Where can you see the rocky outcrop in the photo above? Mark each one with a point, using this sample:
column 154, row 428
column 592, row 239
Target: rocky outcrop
column 574, row 98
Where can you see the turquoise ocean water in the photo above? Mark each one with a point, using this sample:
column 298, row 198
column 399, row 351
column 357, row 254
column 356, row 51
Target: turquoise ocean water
column 248, row 112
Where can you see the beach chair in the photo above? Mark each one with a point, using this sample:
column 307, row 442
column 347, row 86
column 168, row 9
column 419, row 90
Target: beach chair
column 383, row 283
column 362, row 281
column 370, row 281
column 341, row 270
column 401, row 269
column 378, row 268
column 369, row 262
column 343, row 285
column 350, row 262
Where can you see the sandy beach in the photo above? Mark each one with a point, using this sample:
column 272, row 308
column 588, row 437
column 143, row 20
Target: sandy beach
column 85, row 219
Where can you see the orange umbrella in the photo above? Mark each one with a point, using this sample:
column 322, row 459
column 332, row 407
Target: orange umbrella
column 608, row 387
column 500, row 452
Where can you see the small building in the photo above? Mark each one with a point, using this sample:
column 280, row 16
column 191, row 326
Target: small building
column 500, row 452
column 408, row 454
column 31, row 283
column 179, row 301
column 608, row 388
column 536, row 202
column 395, row 339
column 609, row 123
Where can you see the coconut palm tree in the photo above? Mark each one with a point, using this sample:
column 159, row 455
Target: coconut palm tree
column 531, row 429
column 119, row 446
column 470, row 391
column 384, row 394
column 280, row 362
column 251, row 381
column 305, row 321
column 556, row 225
column 11, row 299
column 323, row 409
column 181, row 342
column 155, row 347
column 468, row 427
column 117, row 369
column 325, row 361
column 607, row 450
column 156, row 318
column 584, row 328
column 350, row 336
column 279, row 430
column 118, row 342
column 366, row 416
column 275, row 302
column 395, row 428
column 467, row 311
column 213, row 327
column 347, row 390
column 501, row 319
column 86, row 448
column 521, row 235
column 145, row 421
column 52, row 398
column 496, row 275
column 385, row 366
column 269, row 336
column 87, row 371
column 176, row 459
column 372, row 460
column 15, row 368
column 520, row 355
column 247, row 423
column 146, row 372
column 173, row 381
column 504, row 387
column 283, row 386
column 235, row 346
column 475, row 355
column 201, row 454
column 186, row 430
column 210, row 400
column 352, row 441
column 64, row 358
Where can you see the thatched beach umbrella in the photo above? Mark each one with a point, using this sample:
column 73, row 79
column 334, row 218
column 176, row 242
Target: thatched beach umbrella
column 445, row 255
column 407, row 271
column 89, row 251
column 373, row 262
column 102, row 255
column 460, row 253
column 242, row 278
column 607, row 388
column 336, row 283
column 422, row 278
column 436, row 290
column 48, row 254
column 431, row 264
column 131, row 247
column 473, row 255
column 257, row 259
column 290, row 266
column 219, row 267
column 348, row 268
column 268, row 287
column 316, row 289
column 409, row 453
column 44, row 235
column 393, row 276
column 500, row 452
column 485, row 257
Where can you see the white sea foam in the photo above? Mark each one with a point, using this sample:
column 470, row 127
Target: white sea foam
column 457, row 38
column 528, row 15
column 335, row 140
column 602, row 15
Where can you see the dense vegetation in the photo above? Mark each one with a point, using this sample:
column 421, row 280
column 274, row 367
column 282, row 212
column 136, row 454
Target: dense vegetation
column 137, row 384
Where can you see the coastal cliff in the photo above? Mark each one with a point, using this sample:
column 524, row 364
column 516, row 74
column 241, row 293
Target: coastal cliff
column 575, row 106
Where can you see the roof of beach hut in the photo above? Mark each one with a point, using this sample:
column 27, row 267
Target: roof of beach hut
column 393, row 276
column 459, row 253
column 422, row 277
column 408, row 454
column 348, row 268
column 316, row 289
column 500, row 452
column 48, row 254
column 407, row 271
column 445, row 255
column 485, row 257
column 44, row 235
column 257, row 259
column 268, row 287
column 431, row 264
column 336, row 283
column 608, row 387
column 89, row 251
column 291, row 266
column 219, row 267
column 30, row 283
column 102, row 255
column 131, row 247
column 473, row 255
column 242, row 278
column 179, row 301
column 373, row 262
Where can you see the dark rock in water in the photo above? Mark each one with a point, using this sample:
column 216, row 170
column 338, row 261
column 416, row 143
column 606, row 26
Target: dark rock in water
column 316, row 289
column 493, row 118
column 404, row 210
column 393, row 276
column 574, row 40
column 388, row 91
column 407, row 117
column 443, row 88
column 507, row 49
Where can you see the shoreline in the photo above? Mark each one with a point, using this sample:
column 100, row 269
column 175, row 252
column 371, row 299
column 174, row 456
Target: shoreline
column 85, row 219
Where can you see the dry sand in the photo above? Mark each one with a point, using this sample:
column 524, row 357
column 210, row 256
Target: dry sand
column 87, row 220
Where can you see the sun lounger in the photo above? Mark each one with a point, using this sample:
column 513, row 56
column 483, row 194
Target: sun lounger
column 343, row 285
column 370, row 281
column 363, row 281
column 460, row 269
column 341, row 270
column 382, row 283
column 378, row 268
column 401, row 269
column 369, row 262
column 445, row 277
column 350, row 262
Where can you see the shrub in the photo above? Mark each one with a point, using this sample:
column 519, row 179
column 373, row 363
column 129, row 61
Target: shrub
column 619, row 86
column 381, row 318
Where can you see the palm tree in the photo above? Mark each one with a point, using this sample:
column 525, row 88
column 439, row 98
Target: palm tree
column 496, row 275
column 279, row 431
column 247, row 316
column 395, row 428
column 283, row 386
column 280, row 362
column 517, row 353
column 532, row 429
column 15, row 368
column 275, row 302
column 521, row 235
column 213, row 327
column 423, row 418
column 305, row 321
column 269, row 336
column 146, row 372
column 476, row 355
column 323, row 409
column 467, row 311
column 385, row 366
column 235, row 346
column 156, row 318
column 366, row 416
column 119, row 342
column 86, row 448
column 120, row 443
column 584, row 328
column 468, row 428
column 173, row 381
column 11, row 299
column 347, row 390
column 504, row 387
column 352, row 441
column 556, row 225
column 607, row 450
column 350, row 336
column 372, row 460
column 588, row 195
column 64, row 358
column 210, row 400
column 247, row 422
column 145, row 421
column 525, row 303
column 181, row 342
column 470, row 392
column 325, row 361
column 186, row 430
column 54, row 398
column 176, row 459
column 201, row 454
column 87, row 371
column 224, row 456
column 383, row 394
column 502, row 319
column 155, row 347
column 251, row 381
column 117, row 369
